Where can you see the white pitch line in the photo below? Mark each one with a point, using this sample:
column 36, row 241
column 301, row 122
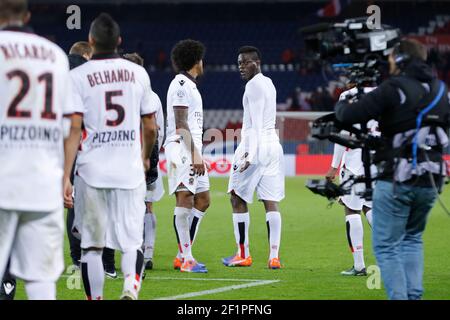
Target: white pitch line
column 206, row 279
column 192, row 279
column 218, row 290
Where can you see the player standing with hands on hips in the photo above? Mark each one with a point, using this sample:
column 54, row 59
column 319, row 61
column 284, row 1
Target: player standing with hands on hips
column 258, row 162
column 413, row 111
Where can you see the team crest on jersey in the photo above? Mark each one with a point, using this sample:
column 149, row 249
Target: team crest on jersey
column 191, row 181
column 183, row 160
column 181, row 82
column 235, row 167
column 180, row 94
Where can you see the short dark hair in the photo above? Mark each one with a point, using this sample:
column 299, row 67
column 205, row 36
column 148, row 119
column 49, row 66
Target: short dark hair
column 413, row 48
column 134, row 57
column 106, row 32
column 250, row 49
column 13, row 8
column 186, row 53
column 81, row 48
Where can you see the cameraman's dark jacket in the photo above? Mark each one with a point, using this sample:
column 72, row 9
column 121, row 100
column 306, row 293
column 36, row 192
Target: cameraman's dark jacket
column 395, row 104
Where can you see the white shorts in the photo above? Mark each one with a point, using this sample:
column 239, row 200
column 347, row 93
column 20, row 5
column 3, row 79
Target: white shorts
column 34, row 243
column 266, row 176
column 179, row 170
column 155, row 191
column 112, row 218
column 352, row 200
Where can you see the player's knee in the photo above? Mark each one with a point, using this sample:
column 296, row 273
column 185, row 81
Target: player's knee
column 202, row 203
column 271, row 206
column 185, row 200
column 237, row 203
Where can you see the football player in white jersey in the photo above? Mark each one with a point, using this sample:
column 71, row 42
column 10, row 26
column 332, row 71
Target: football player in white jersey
column 114, row 97
column 258, row 161
column 187, row 171
column 155, row 187
column 351, row 165
column 34, row 99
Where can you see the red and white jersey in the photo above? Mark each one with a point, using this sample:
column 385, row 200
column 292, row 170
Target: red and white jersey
column 183, row 92
column 159, row 117
column 112, row 94
column 34, row 97
column 351, row 158
column 260, row 112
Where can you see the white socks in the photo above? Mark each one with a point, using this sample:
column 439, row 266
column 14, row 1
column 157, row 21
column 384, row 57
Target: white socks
column 195, row 218
column 40, row 290
column 181, row 224
column 149, row 235
column 273, row 220
column 93, row 274
column 369, row 217
column 132, row 267
column 241, row 222
column 355, row 235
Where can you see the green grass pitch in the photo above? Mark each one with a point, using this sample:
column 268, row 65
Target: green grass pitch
column 314, row 251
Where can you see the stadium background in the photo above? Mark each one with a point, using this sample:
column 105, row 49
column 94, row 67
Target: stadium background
column 152, row 27
column 314, row 247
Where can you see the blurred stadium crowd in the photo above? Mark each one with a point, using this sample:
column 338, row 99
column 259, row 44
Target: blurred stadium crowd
column 151, row 27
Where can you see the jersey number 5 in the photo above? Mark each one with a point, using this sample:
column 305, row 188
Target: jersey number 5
column 13, row 109
column 114, row 106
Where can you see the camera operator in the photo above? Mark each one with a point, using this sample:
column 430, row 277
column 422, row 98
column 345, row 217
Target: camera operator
column 412, row 108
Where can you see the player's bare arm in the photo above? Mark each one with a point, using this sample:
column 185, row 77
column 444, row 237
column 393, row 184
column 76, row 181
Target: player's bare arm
column 181, row 122
column 331, row 174
column 71, row 144
column 149, row 135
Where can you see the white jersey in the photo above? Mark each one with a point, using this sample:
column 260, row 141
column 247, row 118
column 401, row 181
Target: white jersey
column 260, row 107
column 183, row 92
column 34, row 96
column 351, row 158
column 112, row 94
column 156, row 101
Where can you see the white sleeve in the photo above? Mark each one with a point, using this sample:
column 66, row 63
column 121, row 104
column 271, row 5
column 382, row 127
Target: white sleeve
column 159, row 117
column 76, row 99
column 179, row 96
column 337, row 155
column 67, row 96
column 148, row 105
column 255, row 96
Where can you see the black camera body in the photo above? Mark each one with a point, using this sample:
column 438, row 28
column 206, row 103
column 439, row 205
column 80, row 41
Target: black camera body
column 359, row 51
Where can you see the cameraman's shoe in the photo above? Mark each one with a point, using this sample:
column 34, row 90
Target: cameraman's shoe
column 353, row 272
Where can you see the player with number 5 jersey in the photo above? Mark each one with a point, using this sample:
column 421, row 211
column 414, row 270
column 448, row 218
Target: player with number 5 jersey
column 114, row 97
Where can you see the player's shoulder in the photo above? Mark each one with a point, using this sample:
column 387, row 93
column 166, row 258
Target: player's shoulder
column 257, row 82
column 156, row 97
column 179, row 82
column 37, row 41
column 140, row 70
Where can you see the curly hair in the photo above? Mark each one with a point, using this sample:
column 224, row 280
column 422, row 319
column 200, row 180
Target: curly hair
column 186, row 53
